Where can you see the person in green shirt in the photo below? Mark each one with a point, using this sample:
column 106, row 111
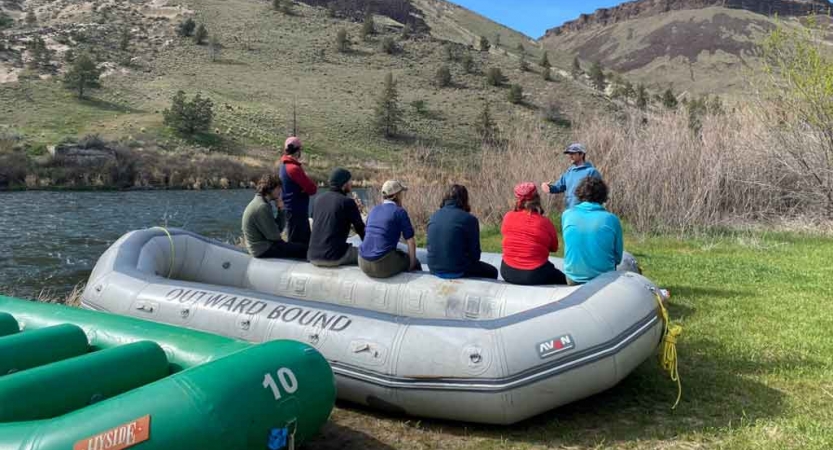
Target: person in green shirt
column 262, row 229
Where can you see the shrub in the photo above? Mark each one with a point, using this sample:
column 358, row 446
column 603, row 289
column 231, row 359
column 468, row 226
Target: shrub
column 342, row 41
column 5, row 21
column 484, row 44
column 332, row 10
column 642, row 97
column 14, row 165
column 92, row 141
column 546, row 74
column 553, row 112
column 200, row 35
column 597, row 76
column 485, row 126
column 443, row 77
column 516, row 94
column 368, row 27
column 124, row 39
column 576, row 69
column 494, row 77
column 669, row 100
column 82, row 75
column 420, row 106
column 523, row 64
column 189, row 117
column 468, row 63
column 389, row 46
column 186, row 28
column 545, row 61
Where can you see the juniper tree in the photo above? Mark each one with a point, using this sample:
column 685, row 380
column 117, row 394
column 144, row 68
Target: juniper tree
column 186, row 27
column 523, row 64
column 443, row 77
column 368, row 26
column 516, row 94
column 545, row 61
column 189, row 117
column 642, row 97
column 40, row 54
column 494, row 77
column 389, row 46
column 597, row 76
column 82, row 75
column 484, row 44
column 576, row 70
column 546, row 74
column 342, row 41
column 669, row 100
column 485, row 126
column 200, row 35
column 387, row 114
column 5, row 21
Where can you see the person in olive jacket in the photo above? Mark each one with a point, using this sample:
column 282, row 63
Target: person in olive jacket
column 454, row 239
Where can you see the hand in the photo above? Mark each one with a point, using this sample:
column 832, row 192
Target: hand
column 545, row 187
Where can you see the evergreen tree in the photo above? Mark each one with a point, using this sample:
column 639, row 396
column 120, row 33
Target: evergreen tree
column 41, row 56
column 83, row 74
column 597, row 76
column 368, row 27
column 516, row 94
column 669, row 100
column 200, row 35
column 486, row 127
column 342, row 41
column 523, row 64
column 468, row 63
column 31, row 19
column 387, row 114
column 214, row 48
column 5, row 21
column 642, row 97
column 124, row 39
column 497, row 40
column 545, row 61
column 407, row 31
column 186, row 28
column 576, row 71
column 484, row 44
column 189, row 117
column 494, row 77
column 389, row 46
column 546, row 74
column 443, row 77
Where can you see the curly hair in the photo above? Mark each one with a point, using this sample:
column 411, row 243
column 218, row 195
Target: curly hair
column 593, row 190
column 459, row 195
column 267, row 184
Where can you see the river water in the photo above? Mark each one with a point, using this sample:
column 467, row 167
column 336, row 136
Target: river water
column 51, row 240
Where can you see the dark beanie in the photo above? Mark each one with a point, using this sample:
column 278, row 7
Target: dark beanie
column 339, row 176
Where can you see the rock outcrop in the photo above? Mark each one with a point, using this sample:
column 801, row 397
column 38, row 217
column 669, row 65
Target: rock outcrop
column 648, row 8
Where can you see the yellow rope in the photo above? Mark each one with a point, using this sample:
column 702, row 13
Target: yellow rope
column 668, row 349
column 171, row 239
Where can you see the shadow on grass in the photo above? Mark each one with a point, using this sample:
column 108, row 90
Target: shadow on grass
column 107, row 106
column 337, row 437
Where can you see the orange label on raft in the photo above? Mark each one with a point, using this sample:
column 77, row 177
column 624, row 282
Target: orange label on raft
column 118, row 438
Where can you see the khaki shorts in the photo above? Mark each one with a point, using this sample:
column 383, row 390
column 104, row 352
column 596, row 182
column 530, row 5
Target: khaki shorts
column 350, row 258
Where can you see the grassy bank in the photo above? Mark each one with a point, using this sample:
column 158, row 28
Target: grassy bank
column 755, row 360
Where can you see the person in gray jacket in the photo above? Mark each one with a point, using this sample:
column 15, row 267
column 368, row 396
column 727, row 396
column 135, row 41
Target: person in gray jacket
column 262, row 229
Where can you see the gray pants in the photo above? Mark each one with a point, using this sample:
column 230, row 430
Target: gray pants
column 387, row 266
column 350, row 258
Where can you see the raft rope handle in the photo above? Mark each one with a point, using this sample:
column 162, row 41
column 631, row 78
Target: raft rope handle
column 173, row 254
column 668, row 352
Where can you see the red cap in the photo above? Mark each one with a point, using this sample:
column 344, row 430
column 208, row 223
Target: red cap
column 293, row 141
column 525, row 191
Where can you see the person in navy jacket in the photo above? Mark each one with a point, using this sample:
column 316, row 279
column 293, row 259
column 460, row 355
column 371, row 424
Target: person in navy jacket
column 454, row 239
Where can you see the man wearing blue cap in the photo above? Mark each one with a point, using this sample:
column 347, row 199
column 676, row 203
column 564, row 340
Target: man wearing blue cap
column 568, row 182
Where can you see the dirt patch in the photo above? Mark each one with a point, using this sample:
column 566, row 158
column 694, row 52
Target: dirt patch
column 8, row 73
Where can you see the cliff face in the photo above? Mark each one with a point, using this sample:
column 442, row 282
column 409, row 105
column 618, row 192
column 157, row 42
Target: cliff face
column 648, row 8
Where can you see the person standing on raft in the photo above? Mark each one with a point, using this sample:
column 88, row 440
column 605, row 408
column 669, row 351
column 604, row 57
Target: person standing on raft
column 297, row 189
column 386, row 223
column 579, row 170
column 454, row 239
column 592, row 236
column 333, row 214
column 262, row 229
column 528, row 238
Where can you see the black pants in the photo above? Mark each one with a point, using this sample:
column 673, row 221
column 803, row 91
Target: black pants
column 481, row 270
column 546, row 274
column 283, row 249
column 297, row 228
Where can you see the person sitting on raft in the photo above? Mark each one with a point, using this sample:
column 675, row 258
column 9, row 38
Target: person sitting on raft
column 386, row 223
column 298, row 188
column 333, row 213
column 454, row 239
column 592, row 236
column 528, row 239
column 262, row 229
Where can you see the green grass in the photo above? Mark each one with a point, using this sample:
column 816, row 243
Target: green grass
column 756, row 360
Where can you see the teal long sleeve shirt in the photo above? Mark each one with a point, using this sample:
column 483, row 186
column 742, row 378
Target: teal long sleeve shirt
column 593, row 241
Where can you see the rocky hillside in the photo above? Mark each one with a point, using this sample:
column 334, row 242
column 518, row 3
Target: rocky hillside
column 699, row 46
column 266, row 61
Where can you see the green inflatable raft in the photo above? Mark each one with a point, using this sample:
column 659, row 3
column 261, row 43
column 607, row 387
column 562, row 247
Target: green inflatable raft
column 72, row 379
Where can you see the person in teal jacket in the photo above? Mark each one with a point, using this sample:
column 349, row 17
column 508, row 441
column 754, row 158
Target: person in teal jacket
column 592, row 236
column 568, row 182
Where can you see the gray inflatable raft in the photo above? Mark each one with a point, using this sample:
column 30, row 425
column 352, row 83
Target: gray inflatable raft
column 470, row 350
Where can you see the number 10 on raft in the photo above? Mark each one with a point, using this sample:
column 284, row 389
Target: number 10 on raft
column 286, row 379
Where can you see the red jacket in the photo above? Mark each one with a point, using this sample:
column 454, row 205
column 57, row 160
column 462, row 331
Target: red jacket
column 297, row 186
column 528, row 239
